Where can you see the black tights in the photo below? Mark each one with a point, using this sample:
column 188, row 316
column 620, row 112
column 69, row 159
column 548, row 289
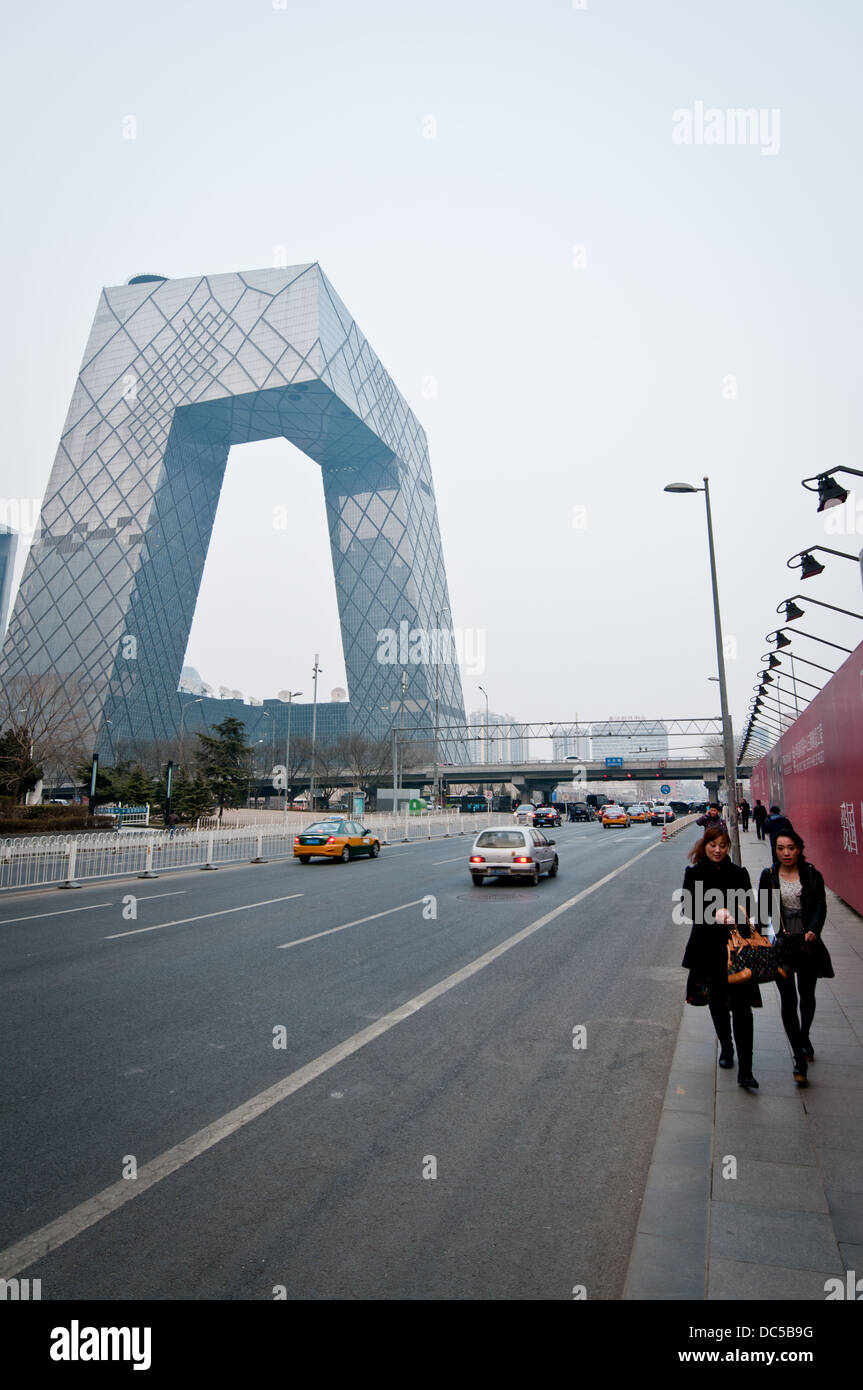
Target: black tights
column 797, row 1029
column 740, row 1015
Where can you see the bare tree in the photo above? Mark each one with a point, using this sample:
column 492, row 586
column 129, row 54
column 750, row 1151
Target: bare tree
column 368, row 761
column 47, row 719
column 328, row 768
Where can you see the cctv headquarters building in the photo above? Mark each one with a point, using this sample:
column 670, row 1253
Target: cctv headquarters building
column 175, row 372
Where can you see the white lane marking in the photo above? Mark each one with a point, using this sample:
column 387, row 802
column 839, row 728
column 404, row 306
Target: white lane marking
column 223, row 912
column 38, row 1244
column 286, row 946
column 459, row 859
column 63, row 911
column 177, row 893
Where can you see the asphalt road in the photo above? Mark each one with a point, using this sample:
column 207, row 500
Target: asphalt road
column 468, row 1150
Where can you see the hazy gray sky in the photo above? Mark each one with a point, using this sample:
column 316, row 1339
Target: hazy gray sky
column 578, row 308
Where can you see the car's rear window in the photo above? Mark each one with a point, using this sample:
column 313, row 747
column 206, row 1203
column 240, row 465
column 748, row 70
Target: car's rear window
column 324, row 827
column 500, row 839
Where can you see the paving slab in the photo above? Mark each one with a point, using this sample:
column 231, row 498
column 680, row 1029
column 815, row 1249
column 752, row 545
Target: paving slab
column 771, row 1143
column 790, row 1239
column 758, row 1182
column 739, row 1279
column 846, row 1212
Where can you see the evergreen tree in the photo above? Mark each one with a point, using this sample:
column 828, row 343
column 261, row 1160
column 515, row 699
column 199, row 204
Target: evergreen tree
column 224, row 762
column 191, row 797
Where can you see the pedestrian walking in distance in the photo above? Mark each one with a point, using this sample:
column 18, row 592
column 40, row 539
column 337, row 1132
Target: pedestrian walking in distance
column 713, row 820
column 759, row 815
column 776, row 824
column 706, row 955
column 745, row 813
column 791, row 895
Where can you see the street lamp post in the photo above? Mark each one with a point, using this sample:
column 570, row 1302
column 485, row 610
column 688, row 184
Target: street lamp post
column 436, row 779
column 404, row 685
column 486, row 740
column 292, row 695
column 266, row 714
column 727, row 732
column 315, row 673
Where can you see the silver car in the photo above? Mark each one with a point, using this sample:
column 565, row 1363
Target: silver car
column 508, row 851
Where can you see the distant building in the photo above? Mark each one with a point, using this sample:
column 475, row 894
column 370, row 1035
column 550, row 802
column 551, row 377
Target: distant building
column 499, row 739
column 636, row 740
column 8, row 548
column 191, row 682
column 567, row 742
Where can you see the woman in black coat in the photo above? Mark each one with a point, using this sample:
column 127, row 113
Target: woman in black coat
column 708, row 882
column 792, row 895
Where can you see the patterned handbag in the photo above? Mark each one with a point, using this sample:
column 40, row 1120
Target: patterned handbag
column 752, row 958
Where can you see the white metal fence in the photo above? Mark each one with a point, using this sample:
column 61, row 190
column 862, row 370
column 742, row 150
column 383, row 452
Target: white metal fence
column 33, row 861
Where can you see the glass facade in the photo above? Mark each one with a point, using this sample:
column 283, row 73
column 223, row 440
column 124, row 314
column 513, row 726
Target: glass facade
column 176, row 372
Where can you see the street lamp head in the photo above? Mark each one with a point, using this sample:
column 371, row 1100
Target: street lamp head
column 780, row 638
column 792, row 611
column 830, row 493
column 681, row 487
column 808, row 565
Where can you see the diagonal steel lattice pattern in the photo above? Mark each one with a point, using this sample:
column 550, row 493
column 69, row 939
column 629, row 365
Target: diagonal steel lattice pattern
column 175, row 372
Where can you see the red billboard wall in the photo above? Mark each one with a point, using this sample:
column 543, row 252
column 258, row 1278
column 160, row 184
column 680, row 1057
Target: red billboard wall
column 815, row 774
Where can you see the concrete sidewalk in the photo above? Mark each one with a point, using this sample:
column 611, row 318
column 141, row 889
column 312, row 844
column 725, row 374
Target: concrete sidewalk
column 760, row 1194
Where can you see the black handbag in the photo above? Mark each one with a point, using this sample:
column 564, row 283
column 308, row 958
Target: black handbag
column 697, row 992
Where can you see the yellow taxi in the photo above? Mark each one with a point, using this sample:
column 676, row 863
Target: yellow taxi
column 335, row 839
column 639, row 813
column 614, row 815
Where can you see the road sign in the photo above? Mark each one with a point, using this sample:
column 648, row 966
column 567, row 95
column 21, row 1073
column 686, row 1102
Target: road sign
column 614, row 762
column 665, row 789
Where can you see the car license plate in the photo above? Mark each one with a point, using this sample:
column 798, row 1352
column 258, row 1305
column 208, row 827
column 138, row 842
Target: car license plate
column 312, row 842
column 500, row 871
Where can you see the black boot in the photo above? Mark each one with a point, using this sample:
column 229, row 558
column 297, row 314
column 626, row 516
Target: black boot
column 745, row 1078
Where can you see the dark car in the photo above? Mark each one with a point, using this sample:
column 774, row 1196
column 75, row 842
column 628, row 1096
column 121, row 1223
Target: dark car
column 546, row 815
column 579, row 810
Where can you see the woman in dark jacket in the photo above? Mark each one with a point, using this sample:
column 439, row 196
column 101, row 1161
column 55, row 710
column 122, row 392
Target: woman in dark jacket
column 706, row 956
column 792, row 895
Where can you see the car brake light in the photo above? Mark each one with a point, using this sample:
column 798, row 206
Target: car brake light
column 331, row 839
column 296, row 839
column 477, row 859
column 523, row 859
